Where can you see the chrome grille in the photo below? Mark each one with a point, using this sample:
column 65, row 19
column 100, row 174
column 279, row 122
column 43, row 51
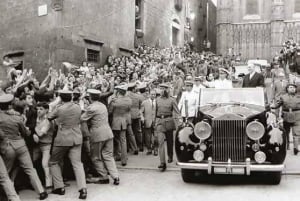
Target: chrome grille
column 229, row 140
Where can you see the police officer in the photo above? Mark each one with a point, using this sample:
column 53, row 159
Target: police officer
column 101, row 138
column 290, row 103
column 165, row 124
column 121, row 122
column 68, row 141
column 11, row 124
column 5, row 181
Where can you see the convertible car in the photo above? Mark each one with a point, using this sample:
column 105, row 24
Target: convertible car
column 234, row 134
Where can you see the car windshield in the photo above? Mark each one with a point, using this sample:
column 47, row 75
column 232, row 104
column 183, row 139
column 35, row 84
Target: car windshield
column 254, row 96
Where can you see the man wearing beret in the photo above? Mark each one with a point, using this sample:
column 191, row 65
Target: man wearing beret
column 13, row 128
column 68, row 141
column 165, row 125
column 101, row 138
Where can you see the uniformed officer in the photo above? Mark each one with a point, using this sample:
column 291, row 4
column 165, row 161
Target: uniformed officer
column 101, row 138
column 290, row 103
column 188, row 102
column 165, row 125
column 11, row 124
column 68, row 141
column 121, row 121
column 135, row 114
column 5, row 181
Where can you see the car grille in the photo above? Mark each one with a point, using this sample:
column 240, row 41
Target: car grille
column 229, row 140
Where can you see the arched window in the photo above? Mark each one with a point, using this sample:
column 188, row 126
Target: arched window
column 251, row 7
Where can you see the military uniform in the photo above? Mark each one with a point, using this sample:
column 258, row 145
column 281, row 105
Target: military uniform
column 5, row 181
column 121, row 122
column 11, row 124
column 68, row 140
column 290, row 112
column 165, row 126
column 136, row 118
column 101, row 138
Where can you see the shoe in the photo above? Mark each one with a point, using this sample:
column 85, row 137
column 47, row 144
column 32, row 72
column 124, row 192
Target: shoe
column 102, row 181
column 59, row 191
column 136, row 152
column 124, row 164
column 116, row 181
column 83, row 194
column 162, row 167
column 296, row 151
column 155, row 152
column 43, row 195
column 149, row 152
column 170, row 160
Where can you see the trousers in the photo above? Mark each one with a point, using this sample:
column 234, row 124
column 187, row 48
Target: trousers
column 103, row 159
column 57, row 157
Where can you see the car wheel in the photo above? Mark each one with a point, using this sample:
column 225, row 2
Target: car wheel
column 274, row 178
column 193, row 176
column 188, row 176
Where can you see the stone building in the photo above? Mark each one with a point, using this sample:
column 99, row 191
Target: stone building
column 256, row 28
column 41, row 33
column 203, row 27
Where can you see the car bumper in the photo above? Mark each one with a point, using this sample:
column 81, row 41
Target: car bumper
column 229, row 168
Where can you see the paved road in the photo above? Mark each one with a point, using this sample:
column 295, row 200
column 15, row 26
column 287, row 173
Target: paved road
column 151, row 185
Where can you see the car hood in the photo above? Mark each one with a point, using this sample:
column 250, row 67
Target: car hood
column 243, row 111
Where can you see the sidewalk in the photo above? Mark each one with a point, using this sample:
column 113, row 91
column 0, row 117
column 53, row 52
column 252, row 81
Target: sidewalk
column 150, row 162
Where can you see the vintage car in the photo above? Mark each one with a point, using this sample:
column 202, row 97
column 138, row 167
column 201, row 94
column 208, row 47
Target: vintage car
column 234, row 134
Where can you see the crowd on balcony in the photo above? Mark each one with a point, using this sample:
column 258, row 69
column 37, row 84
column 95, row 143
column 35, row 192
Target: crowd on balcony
column 96, row 116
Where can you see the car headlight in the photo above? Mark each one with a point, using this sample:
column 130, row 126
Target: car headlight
column 255, row 130
column 202, row 130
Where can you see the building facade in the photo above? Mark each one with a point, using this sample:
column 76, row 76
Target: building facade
column 256, row 28
column 202, row 29
column 45, row 33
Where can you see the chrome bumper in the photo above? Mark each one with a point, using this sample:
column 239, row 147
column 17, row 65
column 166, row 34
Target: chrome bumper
column 247, row 166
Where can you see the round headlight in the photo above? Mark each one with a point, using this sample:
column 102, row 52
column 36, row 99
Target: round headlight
column 202, row 130
column 198, row 155
column 255, row 130
column 260, row 157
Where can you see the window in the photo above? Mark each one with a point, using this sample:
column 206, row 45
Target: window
column 297, row 6
column 93, row 56
column 139, row 14
column 251, row 7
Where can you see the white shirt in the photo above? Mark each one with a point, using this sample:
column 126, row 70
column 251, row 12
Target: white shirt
column 223, row 84
column 192, row 103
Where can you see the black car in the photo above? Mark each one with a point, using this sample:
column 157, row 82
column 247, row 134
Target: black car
column 234, row 134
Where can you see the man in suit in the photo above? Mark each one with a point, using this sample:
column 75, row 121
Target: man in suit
column 68, row 141
column 148, row 112
column 101, row 138
column 253, row 79
column 13, row 128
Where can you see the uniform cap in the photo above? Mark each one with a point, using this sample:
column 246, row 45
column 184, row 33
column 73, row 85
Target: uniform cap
column 224, row 70
column 6, row 98
column 189, row 83
column 199, row 78
column 65, row 91
column 94, row 91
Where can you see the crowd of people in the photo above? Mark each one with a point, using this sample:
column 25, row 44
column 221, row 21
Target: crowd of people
column 88, row 118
